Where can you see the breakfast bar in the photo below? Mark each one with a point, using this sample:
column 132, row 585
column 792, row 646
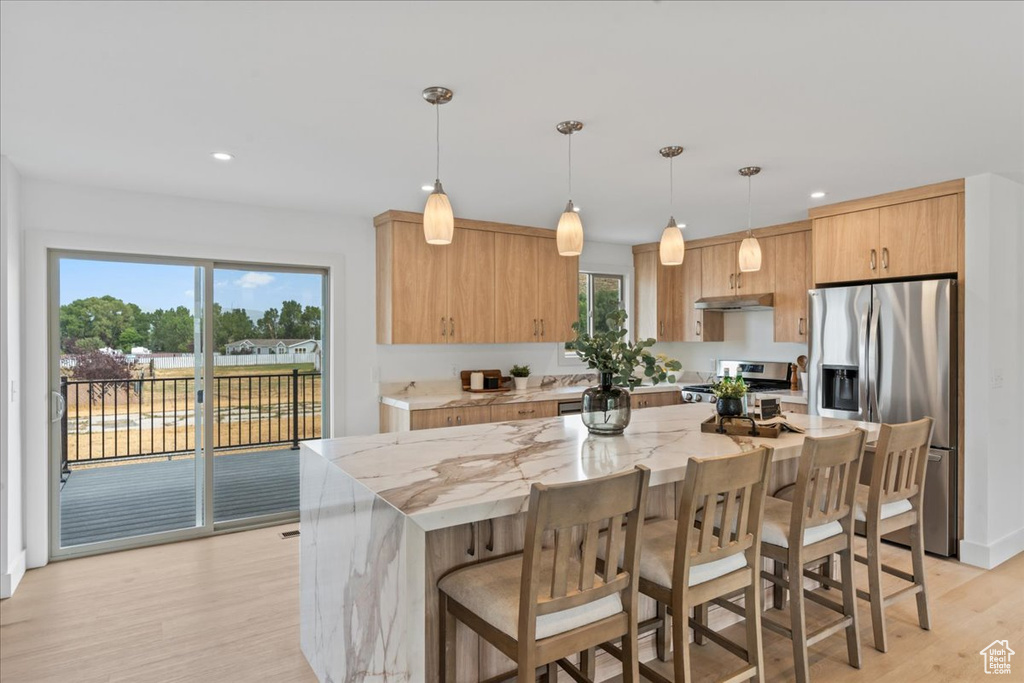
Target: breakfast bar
column 384, row 516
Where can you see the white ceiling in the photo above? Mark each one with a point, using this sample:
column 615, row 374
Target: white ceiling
column 320, row 103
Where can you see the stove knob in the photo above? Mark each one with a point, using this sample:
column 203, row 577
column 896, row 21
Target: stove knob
column 698, row 398
column 687, row 396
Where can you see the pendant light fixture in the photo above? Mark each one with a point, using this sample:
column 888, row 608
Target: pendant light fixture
column 569, row 235
column 750, row 249
column 438, row 220
column 672, row 247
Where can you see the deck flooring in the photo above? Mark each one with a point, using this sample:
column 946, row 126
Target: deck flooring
column 133, row 499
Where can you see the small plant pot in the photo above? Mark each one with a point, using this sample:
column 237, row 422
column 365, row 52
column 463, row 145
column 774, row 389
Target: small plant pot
column 729, row 406
column 521, row 383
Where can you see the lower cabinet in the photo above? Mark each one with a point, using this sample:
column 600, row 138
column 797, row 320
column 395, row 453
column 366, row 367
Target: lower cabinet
column 655, row 399
column 449, row 417
column 799, row 408
column 523, row 411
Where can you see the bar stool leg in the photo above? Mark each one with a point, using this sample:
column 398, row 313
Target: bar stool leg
column 917, row 555
column 661, row 635
column 680, row 641
column 875, row 587
column 551, row 673
column 850, row 608
column 587, row 666
column 700, row 615
column 778, row 591
column 448, row 658
column 755, row 647
column 798, row 620
column 630, row 653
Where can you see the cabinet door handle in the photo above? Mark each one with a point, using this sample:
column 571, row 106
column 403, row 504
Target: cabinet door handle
column 490, row 542
column 885, row 258
column 661, row 328
column 458, row 419
column 542, row 327
column 534, row 327
column 800, row 327
column 471, row 550
column 449, row 419
column 698, row 328
column 732, row 281
column 739, row 280
column 444, row 329
column 874, row 259
column 527, row 412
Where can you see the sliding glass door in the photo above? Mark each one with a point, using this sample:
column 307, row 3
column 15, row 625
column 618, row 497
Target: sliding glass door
column 180, row 391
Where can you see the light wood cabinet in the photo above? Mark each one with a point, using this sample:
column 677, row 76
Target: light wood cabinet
column 493, row 283
column 664, row 298
column 846, row 247
column 536, row 295
column 718, row 269
column 793, row 277
column 907, row 239
column 506, row 412
column 449, row 417
column 655, row 399
column 919, row 238
column 798, row 408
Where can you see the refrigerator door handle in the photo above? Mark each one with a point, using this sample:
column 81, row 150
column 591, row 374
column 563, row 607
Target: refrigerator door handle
column 864, row 382
column 872, row 366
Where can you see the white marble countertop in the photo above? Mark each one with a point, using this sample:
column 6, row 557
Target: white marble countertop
column 443, row 477
column 412, row 400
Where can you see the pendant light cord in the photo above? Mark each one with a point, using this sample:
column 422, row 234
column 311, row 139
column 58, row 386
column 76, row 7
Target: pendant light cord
column 750, row 232
column 671, row 187
column 437, row 138
column 570, row 166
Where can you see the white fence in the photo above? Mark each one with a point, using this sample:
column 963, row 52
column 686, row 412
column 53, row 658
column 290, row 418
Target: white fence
column 187, row 360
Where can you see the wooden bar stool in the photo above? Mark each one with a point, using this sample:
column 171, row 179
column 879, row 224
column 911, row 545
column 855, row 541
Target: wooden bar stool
column 818, row 523
column 540, row 606
column 893, row 501
column 682, row 567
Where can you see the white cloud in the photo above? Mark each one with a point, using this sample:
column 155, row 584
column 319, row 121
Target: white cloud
column 253, row 280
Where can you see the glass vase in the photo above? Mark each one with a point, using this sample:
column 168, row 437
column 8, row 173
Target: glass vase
column 606, row 407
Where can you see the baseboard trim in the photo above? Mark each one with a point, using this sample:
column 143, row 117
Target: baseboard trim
column 9, row 581
column 995, row 553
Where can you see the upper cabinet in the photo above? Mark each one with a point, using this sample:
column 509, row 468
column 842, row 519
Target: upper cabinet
column 793, row 277
column 721, row 274
column 664, row 297
column 493, row 283
column 912, row 233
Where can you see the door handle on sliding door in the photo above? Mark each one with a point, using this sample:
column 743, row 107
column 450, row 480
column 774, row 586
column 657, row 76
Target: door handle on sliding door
column 61, row 406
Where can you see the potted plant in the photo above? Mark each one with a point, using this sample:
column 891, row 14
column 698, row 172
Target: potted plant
column 520, row 375
column 606, row 408
column 730, row 392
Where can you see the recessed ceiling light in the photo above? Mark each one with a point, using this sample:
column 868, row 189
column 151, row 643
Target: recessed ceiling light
column 817, row 195
column 222, row 156
column 427, row 188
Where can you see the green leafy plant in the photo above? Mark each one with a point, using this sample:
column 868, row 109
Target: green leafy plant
column 520, row 371
column 610, row 351
column 730, row 387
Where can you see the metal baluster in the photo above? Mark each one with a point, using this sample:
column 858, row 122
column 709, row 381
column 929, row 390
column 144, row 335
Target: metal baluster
column 88, row 390
column 174, row 384
column 249, row 420
column 115, row 420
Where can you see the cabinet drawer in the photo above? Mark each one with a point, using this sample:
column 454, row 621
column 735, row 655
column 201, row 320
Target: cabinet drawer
column 449, row 417
column 523, row 411
column 656, row 399
column 798, row 408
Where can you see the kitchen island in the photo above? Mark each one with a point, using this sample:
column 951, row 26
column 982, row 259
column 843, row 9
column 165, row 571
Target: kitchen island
column 384, row 516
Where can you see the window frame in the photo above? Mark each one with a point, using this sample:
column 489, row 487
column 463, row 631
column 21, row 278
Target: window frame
column 568, row 358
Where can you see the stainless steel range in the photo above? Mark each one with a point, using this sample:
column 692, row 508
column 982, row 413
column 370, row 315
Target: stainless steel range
column 758, row 374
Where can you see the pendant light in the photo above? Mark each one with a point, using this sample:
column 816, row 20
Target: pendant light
column 672, row 247
column 569, row 235
column 438, row 220
column 750, row 249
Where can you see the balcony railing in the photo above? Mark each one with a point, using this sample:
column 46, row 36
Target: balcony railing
column 107, row 420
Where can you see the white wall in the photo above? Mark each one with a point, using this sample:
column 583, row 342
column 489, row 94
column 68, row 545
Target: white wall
column 748, row 336
column 12, row 538
column 993, row 454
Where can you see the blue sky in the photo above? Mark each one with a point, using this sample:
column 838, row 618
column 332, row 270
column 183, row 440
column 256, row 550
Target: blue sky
column 153, row 286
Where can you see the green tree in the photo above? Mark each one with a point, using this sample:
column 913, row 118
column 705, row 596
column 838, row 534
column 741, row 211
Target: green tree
column 311, row 322
column 172, row 330
column 267, row 325
column 289, row 323
column 231, row 326
column 104, row 317
column 130, row 337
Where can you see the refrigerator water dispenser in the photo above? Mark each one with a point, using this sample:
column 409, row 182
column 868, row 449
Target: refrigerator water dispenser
column 839, row 388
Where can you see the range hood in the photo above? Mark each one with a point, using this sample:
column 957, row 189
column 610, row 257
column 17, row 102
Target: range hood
column 754, row 302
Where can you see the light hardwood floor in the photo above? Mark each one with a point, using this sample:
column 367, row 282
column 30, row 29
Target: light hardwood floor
column 225, row 609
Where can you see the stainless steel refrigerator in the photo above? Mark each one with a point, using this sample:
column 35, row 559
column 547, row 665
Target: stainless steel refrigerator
column 887, row 353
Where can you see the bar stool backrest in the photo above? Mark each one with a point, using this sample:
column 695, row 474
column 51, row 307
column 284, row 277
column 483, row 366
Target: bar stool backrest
column 901, row 460
column 574, row 511
column 826, row 481
column 731, row 491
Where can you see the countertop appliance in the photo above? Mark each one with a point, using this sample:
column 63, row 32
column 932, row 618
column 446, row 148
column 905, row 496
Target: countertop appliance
column 888, row 353
column 758, row 375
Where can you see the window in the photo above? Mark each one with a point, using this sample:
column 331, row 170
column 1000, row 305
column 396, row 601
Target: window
column 599, row 295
